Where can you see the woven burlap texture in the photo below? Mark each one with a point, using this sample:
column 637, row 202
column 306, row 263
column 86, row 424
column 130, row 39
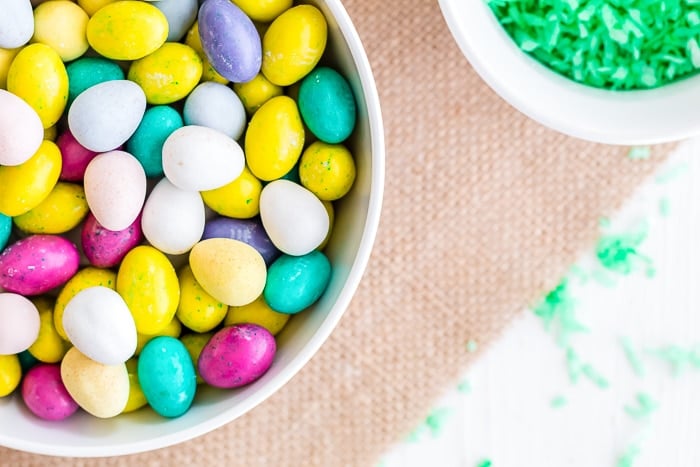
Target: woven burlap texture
column 483, row 212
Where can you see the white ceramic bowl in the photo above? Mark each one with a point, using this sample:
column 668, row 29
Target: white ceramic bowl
column 349, row 250
column 668, row 113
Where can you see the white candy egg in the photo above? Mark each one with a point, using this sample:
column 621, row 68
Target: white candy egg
column 21, row 131
column 19, row 323
column 181, row 15
column 16, row 23
column 215, row 106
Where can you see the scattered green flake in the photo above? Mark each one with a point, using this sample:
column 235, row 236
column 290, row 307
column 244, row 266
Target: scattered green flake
column 558, row 402
column 418, row 434
column 596, row 378
column 645, row 406
column 675, row 356
column 573, row 365
column 639, row 153
column 437, row 420
column 472, row 346
column 672, row 173
column 628, row 458
column 618, row 252
column 632, row 356
column 664, row 207
column 464, row 387
column 484, row 463
column 558, row 313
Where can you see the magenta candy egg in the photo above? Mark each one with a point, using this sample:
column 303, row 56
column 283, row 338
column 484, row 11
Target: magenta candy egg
column 106, row 248
column 45, row 395
column 74, row 156
column 37, row 264
column 237, row 355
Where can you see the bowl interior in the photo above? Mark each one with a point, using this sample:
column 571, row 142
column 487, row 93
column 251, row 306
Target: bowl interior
column 357, row 217
column 664, row 114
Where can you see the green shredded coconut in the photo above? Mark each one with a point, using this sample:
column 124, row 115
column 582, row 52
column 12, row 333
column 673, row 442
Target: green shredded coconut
column 675, row 356
column 464, row 387
column 614, row 44
column 558, row 313
column 472, row 346
column 645, row 406
column 484, row 463
column 558, row 402
column 639, row 153
column 433, row 425
column 632, row 356
column 595, row 377
column 618, row 252
column 664, row 207
column 628, row 458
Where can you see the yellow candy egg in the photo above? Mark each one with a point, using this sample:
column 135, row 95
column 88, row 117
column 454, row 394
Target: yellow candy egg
column 327, row 170
column 173, row 329
column 274, row 139
column 232, row 272
column 257, row 312
column 6, row 57
column 208, row 72
column 137, row 398
column 194, row 343
column 92, row 6
column 148, row 284
column 62, row 25
column 168, row 74
column 127, row 30
column 83, row 279
column 38, row 76
column 24, row 186
column 293, row 44
column 10, row 374
column 198, row 310
column 239, row 199
column 49, row 346
column 263, row 10
column 60, row 212
column 50, row 133
column 256, row 92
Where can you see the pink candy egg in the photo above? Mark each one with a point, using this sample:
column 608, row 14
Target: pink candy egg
column 106, row 248
column 19, row 323
column 37, row 264
column 237, row 355
column 75, row 157
column 45, row 395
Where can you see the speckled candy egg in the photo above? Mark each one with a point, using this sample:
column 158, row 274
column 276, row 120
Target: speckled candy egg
column 197, row 310
column 104, row 117
column 327, row 170
column 16, row 23
column 237, row 355
column 89, row 71
column 232, row 272
column 181, row 14
column 44, row 393
column 263, row 11
column 19, row 323
column 106, row 248
column 167, row 376
column 21, row 130
column 11, row 373
column 60, row 212
column 250, row 231
column 101, row 390
column 239, row 199
column 230, row 40
column 294, row 218
column 75, row 158
column 216, row 106
column 115, row 188
column 296, row 282
column 37, row 264
column 146, row 144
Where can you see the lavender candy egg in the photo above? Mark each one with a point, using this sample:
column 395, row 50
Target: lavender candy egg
column 250, row 231
column 37, row 264
column 230, row 40
column 237, row 355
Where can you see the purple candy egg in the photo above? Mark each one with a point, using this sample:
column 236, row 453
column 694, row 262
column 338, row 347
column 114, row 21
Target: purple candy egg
column 230, row 40
column 106, row 248
column 45, row 395
column 250, row 231
column 237, row 355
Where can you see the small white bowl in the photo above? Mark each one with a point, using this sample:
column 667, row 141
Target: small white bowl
column 349, row 250
column 668, row 113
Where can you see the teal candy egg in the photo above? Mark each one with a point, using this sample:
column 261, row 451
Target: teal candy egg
column 27, row 361
column 296, row 282
column 89, row 71
column 167, row 377
column 5, row 230
column 146, row 144
column 327, row 105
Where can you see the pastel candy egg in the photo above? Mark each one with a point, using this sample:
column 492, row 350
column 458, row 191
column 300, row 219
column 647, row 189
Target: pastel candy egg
column 194, row 343
column 19, row 323
column 101, row 390
column 26, row 360
column 5, row 230
column 6, row 57
column 61, row 25
column 208, row 72
column 173, row 219
column 10, row 374
column 168, row 74
column 104, row 116
column 237, row 355
column 230, row 40
column 263, row 11
column 257, row 312
column 197, row 158
column 240, row 198
column 148, row 284
column 327, row 105
column 115, row 188
column 49, row 346
column 232, row 272
column 215, row 106
column 250, row 231
column 99, row 324
column 21, row 130
column 327, row 170
column 181, row 14
column 44, row 393
column 37, row 264
column 146, row 144
column 167, row 376
column 16, row 23
column 38, row 76
column 127, row 30
column 60, row 212
column 256, row 92
column 89, row 71
column 198, row 310
column 105, row 248
column 294, row 218
column 75, row 158
column 293, row 44
column 92, row 6
column 137, row 398
column 25, row 186
column 296, row 282
column 275, row 138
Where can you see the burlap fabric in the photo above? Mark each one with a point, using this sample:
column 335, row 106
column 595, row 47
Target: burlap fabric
column 484, row 211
